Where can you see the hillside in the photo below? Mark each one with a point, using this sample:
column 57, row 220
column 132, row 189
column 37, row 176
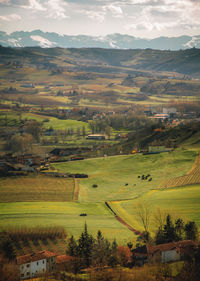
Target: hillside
column 106, row 60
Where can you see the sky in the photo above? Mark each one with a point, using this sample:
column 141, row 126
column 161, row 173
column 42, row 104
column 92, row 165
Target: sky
column 139, row 18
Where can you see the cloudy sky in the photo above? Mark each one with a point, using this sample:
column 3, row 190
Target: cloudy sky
column 140, row 18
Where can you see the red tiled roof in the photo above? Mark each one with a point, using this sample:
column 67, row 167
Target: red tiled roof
column 170, row 246
column 64, row 258
column 35, row 257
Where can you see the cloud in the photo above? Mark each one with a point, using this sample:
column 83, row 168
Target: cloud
column 32, row 5
column 98, row 16
column 56, row 9
column 11, row 17
column 171, row 15
column 115, row 10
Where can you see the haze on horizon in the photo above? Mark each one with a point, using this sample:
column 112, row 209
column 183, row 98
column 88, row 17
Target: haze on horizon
column 139, row 18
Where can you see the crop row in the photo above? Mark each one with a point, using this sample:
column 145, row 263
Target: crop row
column 192, row 177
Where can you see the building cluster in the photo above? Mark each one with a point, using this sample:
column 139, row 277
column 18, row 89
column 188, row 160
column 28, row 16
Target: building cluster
column 46, row 262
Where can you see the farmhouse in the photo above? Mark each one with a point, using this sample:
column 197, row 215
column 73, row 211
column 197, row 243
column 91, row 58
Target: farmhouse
column 36, row 264
column 64, row 262
column 169, row 252
column 156, row 148
column 96, row 137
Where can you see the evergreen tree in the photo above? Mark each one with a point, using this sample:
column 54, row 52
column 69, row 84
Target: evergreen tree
column 169, row 230
column 160, row 237
column 191, row 231
column 113, row 261
column 85, row 246
column 72, row 247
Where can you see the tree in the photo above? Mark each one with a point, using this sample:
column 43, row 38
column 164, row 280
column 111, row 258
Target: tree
column 35, row 129
column 78, row 132
column 85, row 245
column 144, row 215
column 160, row 218
column 113, row 260
column 83, row 131
column 179, row 228
column 20, row 144
column 72, row 247
column 191, row 231
column 169, row 230
column 160, row 237
column 108, row 131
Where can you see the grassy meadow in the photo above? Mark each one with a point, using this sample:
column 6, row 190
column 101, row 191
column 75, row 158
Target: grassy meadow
column 117, row 176
column 181, row 202
column 66, row 214
column 28, row 202
column 36, row 188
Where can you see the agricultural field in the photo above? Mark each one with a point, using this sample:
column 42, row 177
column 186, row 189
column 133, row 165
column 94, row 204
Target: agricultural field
column 117, row 182
column 117, row 176
column 66, row 214
column 36, row 188
column 192, row 177
column 55, row 123
column 181, row 202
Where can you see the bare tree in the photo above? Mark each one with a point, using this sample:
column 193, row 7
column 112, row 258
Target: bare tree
column 143, row 212
column 159, row 218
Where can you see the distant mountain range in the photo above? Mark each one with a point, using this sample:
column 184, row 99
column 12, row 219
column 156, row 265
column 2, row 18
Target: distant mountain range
column 113, row 41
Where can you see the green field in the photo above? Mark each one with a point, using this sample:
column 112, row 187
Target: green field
column 36, row 188
column 181, row 202
column 66, row 214
column 112, row 173
column 55, row 123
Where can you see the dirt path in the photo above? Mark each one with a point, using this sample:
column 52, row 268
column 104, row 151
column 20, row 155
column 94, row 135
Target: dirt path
column 123, row 221
column 76, row 190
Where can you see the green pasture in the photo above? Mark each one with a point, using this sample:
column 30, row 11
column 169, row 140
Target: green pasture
column 117, row 176
column 181, row 202
column 36, row 188
column 65, row 214
column 55, row 123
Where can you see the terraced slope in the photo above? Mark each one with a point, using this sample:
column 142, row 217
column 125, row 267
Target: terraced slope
column 193, row 177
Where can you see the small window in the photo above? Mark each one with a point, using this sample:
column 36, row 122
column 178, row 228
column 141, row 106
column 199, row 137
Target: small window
column 27, row 273
column 43, row 261
column 27, row 265
column 37, row 262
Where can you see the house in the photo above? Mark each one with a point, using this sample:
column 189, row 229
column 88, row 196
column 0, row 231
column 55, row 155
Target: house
column 65, row 262
column 156, row 148
column 140, row 256
column 96, row 137
column 170, row 110
column 33, row 265
column 170, row 252
column 162, row 253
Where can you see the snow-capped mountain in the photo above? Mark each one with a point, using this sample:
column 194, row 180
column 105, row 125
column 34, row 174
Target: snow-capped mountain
column 116, row 41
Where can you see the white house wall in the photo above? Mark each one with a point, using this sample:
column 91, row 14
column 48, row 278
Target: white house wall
column 38, row 267
column 25, row 271
column 171, row 255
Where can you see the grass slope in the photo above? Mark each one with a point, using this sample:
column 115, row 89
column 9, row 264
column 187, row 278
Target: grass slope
column 36, row 188
column 66, row 214
column 112, row 173
column 181, row 201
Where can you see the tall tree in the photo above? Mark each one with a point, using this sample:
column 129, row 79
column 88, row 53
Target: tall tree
column 169, row 230
column 191, row 231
